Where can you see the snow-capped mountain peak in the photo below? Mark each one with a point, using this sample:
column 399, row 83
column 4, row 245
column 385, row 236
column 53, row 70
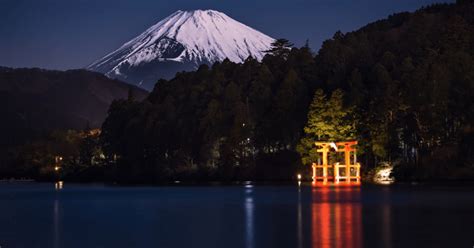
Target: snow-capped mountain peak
column 185, row 39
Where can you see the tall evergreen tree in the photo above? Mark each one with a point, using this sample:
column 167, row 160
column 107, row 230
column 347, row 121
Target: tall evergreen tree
column 280, row 48
column 328, row 120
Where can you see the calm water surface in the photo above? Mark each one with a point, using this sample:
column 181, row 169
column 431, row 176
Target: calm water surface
column 38, row 215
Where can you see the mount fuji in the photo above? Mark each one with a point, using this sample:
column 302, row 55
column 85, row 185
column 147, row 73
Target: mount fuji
column 182, row 42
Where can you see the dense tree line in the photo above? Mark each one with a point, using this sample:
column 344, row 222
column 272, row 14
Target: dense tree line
column 217, row 122
column 73, row 155
column 410, row 78
column 36, row 103
column 402, row 86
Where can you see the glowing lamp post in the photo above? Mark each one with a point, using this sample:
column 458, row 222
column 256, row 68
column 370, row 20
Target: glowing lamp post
column 57, row 160
column 57, row 165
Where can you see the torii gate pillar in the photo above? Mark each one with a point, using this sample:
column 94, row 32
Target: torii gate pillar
column 347, row 147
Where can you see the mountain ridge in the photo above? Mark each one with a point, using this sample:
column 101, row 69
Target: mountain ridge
column 181, row 42
column 35, row 100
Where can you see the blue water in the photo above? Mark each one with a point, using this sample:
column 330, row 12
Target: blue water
column 38, row 215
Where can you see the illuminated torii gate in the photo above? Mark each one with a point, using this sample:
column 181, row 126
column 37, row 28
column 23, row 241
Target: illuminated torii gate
column 332, row 172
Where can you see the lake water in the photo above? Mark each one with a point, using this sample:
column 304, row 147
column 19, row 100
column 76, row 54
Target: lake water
column 38, row 215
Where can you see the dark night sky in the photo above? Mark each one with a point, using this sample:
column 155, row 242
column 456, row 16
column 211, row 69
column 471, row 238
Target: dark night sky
column 64, row 34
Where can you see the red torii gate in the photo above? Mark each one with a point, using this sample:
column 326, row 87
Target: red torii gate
column 326, row 171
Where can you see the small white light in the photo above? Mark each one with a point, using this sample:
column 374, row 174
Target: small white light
column 58, row 185
column 299, row 176
column 333, row 145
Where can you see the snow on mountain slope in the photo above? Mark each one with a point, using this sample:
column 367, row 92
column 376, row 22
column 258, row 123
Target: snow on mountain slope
column 182, row 41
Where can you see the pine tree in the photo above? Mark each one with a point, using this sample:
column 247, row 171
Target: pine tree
column 328, row 120
column 280, row 48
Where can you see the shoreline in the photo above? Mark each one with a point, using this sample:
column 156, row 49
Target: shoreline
column 244, row 183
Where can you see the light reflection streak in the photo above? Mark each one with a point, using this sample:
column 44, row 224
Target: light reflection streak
column 59, row 185
column 337, row 211
column 249, row 216
column 386, row 222
column 56, row 222
column 336, row 217
column 300, row 220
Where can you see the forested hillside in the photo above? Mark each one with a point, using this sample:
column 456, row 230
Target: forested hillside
column 35, row 102
column 403, row 87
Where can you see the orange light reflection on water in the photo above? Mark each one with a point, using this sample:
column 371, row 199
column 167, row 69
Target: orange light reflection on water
column 336, row 219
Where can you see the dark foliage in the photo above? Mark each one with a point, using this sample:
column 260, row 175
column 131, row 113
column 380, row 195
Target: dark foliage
column 403, row 87
column 408, row 81
column 35, row 102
